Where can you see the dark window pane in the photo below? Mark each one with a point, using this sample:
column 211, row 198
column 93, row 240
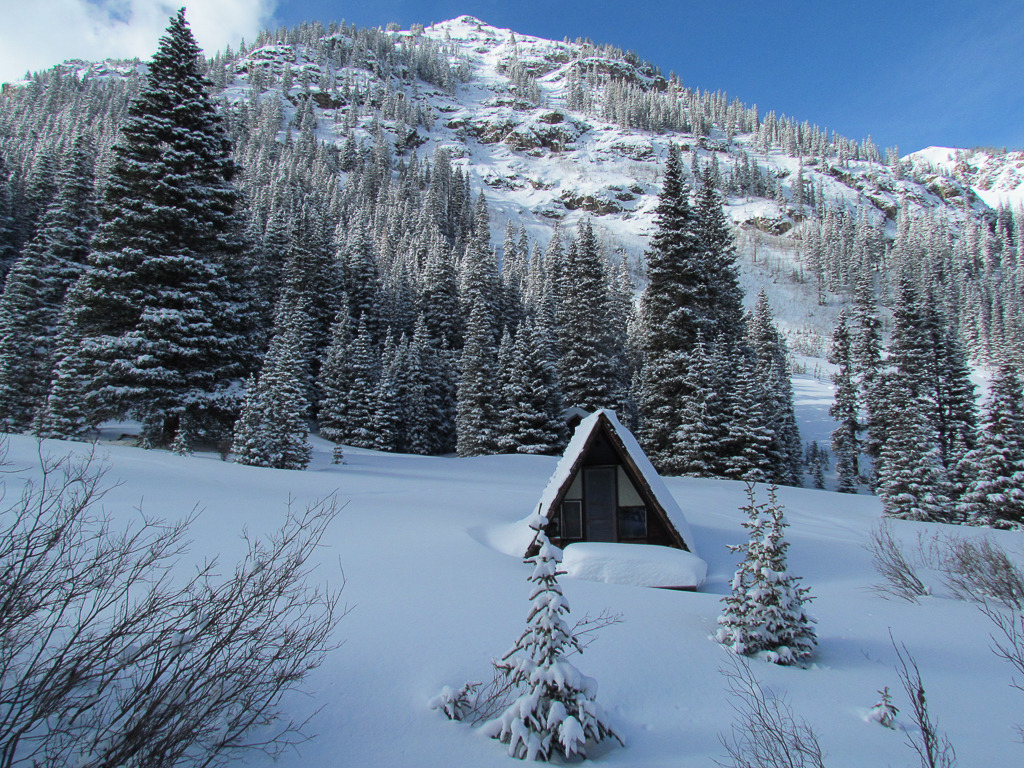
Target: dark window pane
column 633, row 522
column 572, row 520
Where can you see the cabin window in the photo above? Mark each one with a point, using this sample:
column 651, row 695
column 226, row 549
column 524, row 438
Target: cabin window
column 632, row 522
column 572, row 520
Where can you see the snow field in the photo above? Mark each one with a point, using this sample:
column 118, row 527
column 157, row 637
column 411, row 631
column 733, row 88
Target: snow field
column 433, row 596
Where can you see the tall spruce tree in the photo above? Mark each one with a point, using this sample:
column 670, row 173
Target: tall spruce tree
column 671, row 313
column 724, row 320
column 531, row 419
column 477, row 418
column 772, row 370
column 995, row 469
column 912, row 481
column 587, row 368
column 36, row 287
column 845, row 409
column 161, row 317
column 272, row 430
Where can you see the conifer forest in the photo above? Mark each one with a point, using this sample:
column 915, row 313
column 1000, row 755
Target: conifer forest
column 234, row 248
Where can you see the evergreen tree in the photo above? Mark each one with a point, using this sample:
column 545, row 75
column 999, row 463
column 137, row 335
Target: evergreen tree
column 439, row 299
column 844, row 409
column 748, row 450
column 765, row 613
column 772, row 370
column 272, row 430
column 557, row 712
column 703, row 422
column 360, row 400
column 335, row 382
column 587, row 368
column 912, row 482
column 8, row 232
column 478, row 404
column 429, row 422
column 162, row 315
column 671, row 310
column 995, row 469
column 36, row 288
column 63, row 416
column 531, row 421
column 724, row 317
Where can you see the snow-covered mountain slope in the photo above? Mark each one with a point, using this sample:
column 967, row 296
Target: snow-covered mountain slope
column 533, row 124
column 554, row 131
column 996, row 177
column 434, row 597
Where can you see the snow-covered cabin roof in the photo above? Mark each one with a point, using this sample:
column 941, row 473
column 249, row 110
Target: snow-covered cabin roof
column 634, row 460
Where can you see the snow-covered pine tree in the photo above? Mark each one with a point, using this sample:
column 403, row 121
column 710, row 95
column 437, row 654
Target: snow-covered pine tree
column 8, row 232
column 162, row 320
column 334, row 382
column 995, row 469
column 912, row 482
column 360, row 404
column 703, row 420
column 439, row 298
column 844, row 409
column 272, row 430
column 724, row 320
column 387, row 421
column 772, row 369
column 63, row 415
column 765, row 614
column 587, row 368
column 557, row 711
column 532, row 416
column 477, row 416
column 37, row 285
column 748, row 449
column 672, row 309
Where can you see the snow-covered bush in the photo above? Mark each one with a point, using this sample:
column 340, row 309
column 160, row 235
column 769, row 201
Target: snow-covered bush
column 556, row 711
column 764, row 615
column 456, row 704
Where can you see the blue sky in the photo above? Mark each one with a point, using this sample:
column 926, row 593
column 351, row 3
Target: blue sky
column 909, row 73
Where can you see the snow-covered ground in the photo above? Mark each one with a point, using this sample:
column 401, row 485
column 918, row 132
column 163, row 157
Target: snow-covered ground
column 434, row 597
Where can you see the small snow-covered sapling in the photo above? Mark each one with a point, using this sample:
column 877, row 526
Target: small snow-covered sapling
column 884, row 712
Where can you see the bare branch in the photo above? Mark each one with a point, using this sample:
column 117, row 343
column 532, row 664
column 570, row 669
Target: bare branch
column 108, row 657
column 901, row 579
column 931, row 746
column 765, row 732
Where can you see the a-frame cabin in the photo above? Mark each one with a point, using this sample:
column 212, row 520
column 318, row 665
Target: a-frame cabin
column 605, row 489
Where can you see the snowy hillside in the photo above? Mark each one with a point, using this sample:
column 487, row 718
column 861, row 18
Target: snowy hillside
column 997, row 178
column 514, row 126
column 556, row 131
column 422, row 546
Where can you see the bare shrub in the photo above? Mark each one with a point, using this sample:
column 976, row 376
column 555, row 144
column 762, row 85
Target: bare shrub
column 1008, row 642
column 931, row 746
column 979, row 569
column 110, row 656
column 765, row 733
column 899, row 573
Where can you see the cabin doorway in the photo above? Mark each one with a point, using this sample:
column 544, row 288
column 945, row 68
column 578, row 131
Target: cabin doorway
column 601, row 501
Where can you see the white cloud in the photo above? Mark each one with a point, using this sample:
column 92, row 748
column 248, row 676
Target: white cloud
column 36, row 34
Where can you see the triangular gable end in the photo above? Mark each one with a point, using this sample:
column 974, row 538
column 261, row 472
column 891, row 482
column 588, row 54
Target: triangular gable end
column 605, row 489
